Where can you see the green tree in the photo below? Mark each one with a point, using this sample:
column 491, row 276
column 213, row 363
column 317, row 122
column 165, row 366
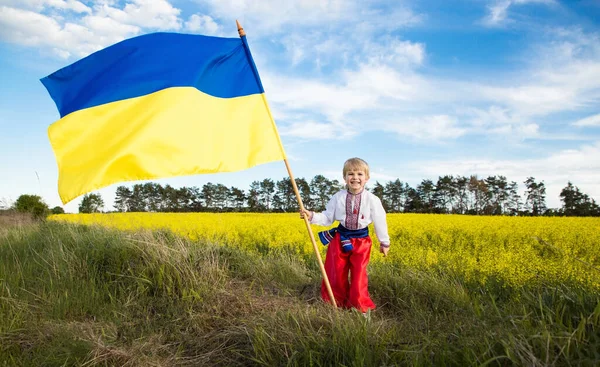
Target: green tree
column 184, row 198
column 414, row 201
column 334, row 186
column 237, row 198
column 426, row 191
column 57, row 210
column 478, row 190
column 576, row 203
column 535, row 196
column 208, row 195
column 289, row 197
column 137, row 201
column 277, row 204
column 195, row 203
column 123, row 199
column 571, row 198
column 152, row 196
column 320, row 188
column 379, row 191
column 445, row 193
column 304, row 189
column 285, row 198
column 461, row 189
column 32, row 204
column 502, row 193
column 91, row 203
column 254, row 204
column 266, row 193
column 169, row 201
column 496, row 195
column 395, row 194
column 220, row 199
column 514, row 204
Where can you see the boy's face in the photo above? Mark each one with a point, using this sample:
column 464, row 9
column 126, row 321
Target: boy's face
column 356, row 180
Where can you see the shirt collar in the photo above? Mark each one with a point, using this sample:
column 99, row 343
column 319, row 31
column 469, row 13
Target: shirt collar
column 361, row 191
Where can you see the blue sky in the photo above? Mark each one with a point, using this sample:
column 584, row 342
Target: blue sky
column 419, row 89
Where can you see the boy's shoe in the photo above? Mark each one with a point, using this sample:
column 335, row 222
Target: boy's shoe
column 367, row 315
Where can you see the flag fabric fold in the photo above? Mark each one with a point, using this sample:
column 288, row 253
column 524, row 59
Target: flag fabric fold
column 159, row 105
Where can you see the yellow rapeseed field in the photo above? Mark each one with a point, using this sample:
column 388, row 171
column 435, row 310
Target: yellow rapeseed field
column 510, row 251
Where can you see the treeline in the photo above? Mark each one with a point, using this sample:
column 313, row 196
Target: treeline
column 493, row 195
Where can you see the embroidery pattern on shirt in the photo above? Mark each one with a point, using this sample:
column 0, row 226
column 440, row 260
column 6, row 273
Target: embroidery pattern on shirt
column 352, row 211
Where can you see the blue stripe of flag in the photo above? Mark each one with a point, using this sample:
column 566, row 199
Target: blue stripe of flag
column 149, row 63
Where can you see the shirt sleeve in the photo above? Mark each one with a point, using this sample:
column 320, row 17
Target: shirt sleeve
column 327, row 217
column 379, row 221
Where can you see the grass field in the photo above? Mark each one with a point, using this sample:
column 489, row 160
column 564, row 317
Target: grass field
column 242, row 289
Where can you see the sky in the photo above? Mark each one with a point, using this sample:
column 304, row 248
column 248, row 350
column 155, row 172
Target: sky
column 419, row 89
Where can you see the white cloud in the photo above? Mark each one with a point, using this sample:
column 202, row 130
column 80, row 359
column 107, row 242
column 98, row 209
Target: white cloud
column 39, row 5
column 560, row 75
column 593, row 120
column 571, row 63
column 27, row 27
column 332, row 100
column 317, row 131
column 61, row 53
column 338, row 50
column 203, row 24
column 407, row 52
column 436, row 127
column 392, row 88
column 270, row 16
column 380, row 81
column 498, row 10
column 492, row 116
column 371, row 88
column 322, row 32
column 394, row 52
column 28, row 24
column 521, row 131
column 107, row 30
column 67, row 39
column 500, row 121
column 534, row 99
column 298, row 46
column 73, row 5
column 155, row 14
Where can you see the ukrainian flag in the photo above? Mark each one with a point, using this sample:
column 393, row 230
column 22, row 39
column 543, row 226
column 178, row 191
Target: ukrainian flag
column 159, row 105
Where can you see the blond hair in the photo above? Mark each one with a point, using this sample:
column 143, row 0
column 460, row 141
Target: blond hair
column 355, row 164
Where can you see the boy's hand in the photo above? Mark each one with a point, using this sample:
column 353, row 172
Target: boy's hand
column 306, row 213
column 384, row 250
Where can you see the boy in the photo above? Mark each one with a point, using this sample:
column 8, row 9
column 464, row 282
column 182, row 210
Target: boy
column 349, row 244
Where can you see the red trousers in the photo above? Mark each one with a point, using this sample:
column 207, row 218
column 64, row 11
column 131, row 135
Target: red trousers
column 351, row 293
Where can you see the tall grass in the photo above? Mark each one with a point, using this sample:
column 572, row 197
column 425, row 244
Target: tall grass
column 82, row 295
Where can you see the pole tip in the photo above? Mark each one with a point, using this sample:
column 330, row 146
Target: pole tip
column 240, row 29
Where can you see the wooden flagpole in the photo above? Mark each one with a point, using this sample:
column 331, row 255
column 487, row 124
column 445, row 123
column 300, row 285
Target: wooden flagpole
column 306, row 222
column 311, row 235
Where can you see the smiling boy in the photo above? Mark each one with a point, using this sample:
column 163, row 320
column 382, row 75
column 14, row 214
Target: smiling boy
column 349, row 243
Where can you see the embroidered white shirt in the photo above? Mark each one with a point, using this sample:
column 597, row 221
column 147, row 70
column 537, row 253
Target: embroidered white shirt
column 370, row 211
